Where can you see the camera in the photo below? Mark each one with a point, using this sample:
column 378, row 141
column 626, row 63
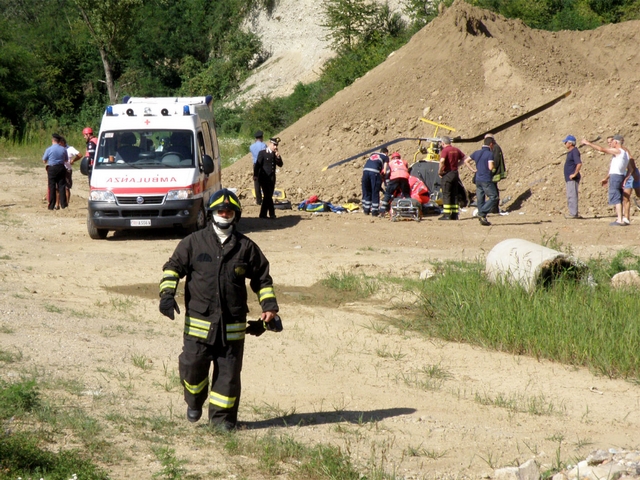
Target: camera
column 275, row 325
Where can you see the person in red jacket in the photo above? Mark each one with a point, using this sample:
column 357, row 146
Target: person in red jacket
column 397, row 173
column 419, row 191
column 450, row 159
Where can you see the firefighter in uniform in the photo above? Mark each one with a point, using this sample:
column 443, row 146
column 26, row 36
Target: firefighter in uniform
column 372, row 181
column 216, row 261
column 450, row 160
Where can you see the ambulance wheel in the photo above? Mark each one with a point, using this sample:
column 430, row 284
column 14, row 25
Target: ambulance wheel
column 96, row 233
column 201, row 221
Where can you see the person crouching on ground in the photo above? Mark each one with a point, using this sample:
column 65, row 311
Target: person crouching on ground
column 216, row 261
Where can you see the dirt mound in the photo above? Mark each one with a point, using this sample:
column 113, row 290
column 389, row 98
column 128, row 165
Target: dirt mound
column 473, row 69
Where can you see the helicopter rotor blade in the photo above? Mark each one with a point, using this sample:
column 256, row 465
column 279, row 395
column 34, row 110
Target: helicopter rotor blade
column 513, row 121
column 371, row 150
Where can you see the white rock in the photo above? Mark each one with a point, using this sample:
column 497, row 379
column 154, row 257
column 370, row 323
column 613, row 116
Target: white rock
column 427, row 273
column 629, row 278
column 527, row 471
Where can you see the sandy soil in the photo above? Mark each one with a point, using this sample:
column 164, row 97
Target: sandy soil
column 80, row 311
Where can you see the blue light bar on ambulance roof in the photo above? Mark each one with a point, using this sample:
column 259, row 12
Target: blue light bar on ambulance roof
column 125, row 99
column 185, row 110
column 208, row 99
column 109, row 110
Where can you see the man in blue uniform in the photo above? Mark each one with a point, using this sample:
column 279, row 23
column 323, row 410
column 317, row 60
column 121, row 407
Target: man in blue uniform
column 372, row 181
column 485, row 188
column 572, row 166
column 256, row 147
column 264, row 171
column 54, row 158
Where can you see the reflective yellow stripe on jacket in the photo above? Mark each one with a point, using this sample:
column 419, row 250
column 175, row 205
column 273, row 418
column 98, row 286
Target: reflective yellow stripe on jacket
column 196, row 327
column 221, row 401
column 200, row 329
column 196, row 389
column 169, row 281
column 235, row 331
column 266, row 292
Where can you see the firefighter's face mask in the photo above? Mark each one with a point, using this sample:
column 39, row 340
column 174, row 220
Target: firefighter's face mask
column 224, row 218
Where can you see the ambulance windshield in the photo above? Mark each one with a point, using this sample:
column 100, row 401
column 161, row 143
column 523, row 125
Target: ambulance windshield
column 145, row 149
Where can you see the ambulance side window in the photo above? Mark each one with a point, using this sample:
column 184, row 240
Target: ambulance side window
column 201, row 145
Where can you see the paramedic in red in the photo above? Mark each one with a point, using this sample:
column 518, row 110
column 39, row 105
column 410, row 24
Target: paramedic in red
column 450, row 159
column 372, row 181
column 397, row 171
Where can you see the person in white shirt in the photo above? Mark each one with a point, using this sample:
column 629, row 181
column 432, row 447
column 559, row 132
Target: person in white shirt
column 72, row 155
column 617, row 173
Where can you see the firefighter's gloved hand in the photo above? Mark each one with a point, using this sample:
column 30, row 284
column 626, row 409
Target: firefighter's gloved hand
column 255, row 327
column 167, row 305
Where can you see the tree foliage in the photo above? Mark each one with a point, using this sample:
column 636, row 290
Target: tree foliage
column 62, row 61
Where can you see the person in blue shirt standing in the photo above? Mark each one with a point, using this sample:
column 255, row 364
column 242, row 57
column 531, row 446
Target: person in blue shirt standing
column 572, row 167
column 486, row 190
column 54, row 158
column 256, row 147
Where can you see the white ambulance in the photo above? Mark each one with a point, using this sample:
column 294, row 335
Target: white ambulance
column 156, row 164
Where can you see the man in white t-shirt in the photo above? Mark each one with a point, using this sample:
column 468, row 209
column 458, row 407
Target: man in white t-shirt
column 72, row 155
column 617, row 173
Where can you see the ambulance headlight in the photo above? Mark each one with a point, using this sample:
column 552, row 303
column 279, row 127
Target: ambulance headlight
column 183, row 194
column 102, row 196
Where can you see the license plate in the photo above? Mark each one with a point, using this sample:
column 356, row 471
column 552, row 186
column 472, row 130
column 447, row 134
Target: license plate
column 140, row 223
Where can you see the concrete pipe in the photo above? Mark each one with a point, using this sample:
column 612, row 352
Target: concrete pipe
column 529, row 264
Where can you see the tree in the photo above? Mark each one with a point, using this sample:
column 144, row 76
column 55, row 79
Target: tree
column 111, row 24
column 347, row 21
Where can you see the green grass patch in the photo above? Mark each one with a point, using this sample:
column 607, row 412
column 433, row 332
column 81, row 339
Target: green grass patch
column 9, row 357
column 282, row 454
column 22, row 457
column 359, row 286
column 581, row 323
column 17, row 399
column 21, row 454
column 576, row 323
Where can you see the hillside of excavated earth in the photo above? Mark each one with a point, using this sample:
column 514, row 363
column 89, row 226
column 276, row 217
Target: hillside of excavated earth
column 295, row 40
column 473, row 69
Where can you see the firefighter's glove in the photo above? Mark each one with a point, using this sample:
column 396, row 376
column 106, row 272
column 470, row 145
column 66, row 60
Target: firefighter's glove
column 167, row 305
column 255, row 327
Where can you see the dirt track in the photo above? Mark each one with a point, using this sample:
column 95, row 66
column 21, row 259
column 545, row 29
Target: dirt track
column 80, row 311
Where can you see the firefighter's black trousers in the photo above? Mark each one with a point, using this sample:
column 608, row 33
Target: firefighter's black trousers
column 450, row 186
column 224, row 395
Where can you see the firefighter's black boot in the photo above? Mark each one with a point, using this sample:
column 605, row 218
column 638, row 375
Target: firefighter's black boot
column 445, row 217
column 194, row 414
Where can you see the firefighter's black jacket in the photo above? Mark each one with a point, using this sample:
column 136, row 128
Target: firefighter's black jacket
column 215, row 287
